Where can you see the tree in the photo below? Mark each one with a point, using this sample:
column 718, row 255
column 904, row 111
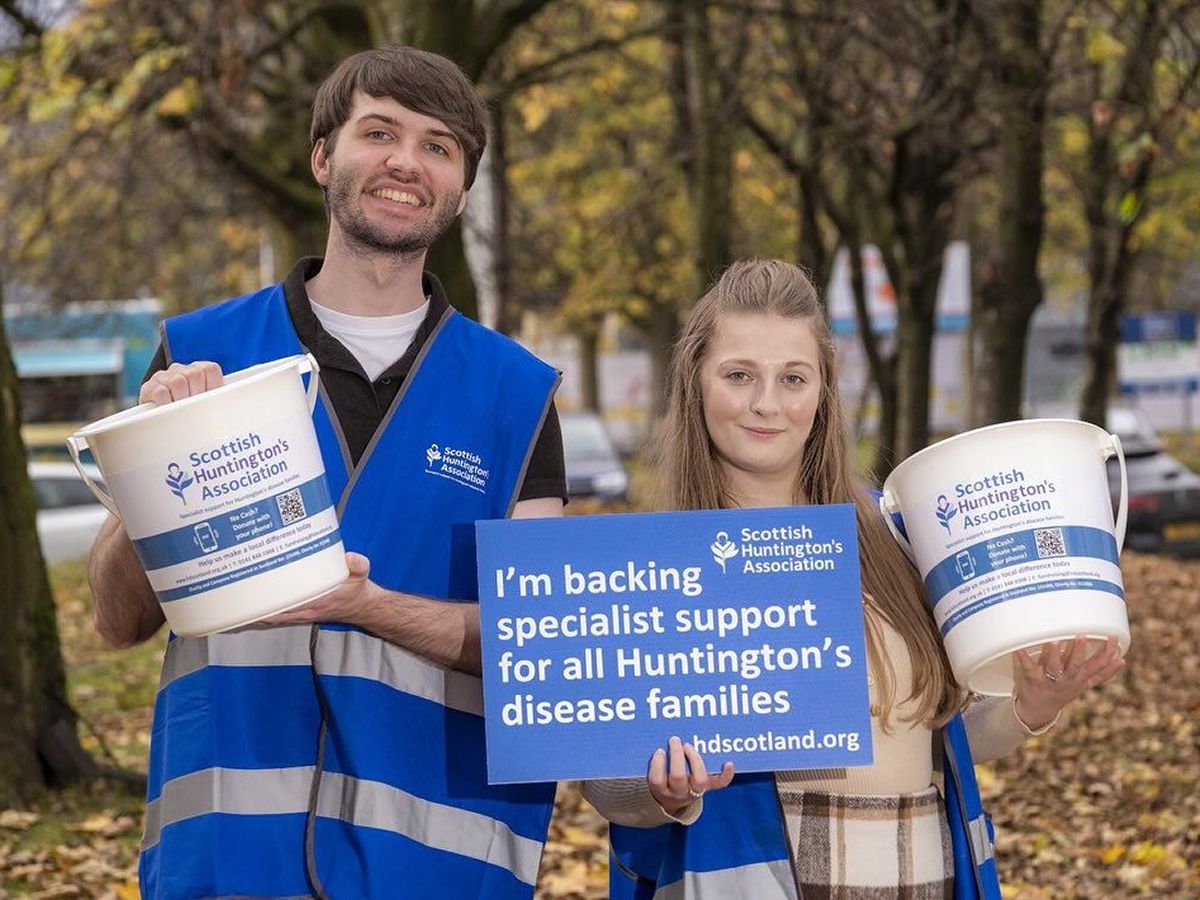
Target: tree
column 902, row 136
column 235, row 82
column 40, row 744
column 1012, row 289
column 1140, row 77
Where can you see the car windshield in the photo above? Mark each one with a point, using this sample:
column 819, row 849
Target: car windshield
column 584, row 437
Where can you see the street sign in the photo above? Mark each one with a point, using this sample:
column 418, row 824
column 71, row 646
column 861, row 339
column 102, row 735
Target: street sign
column 1158, row 354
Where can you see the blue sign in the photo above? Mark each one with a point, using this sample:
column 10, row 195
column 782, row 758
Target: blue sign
column 740, row 631
column 1137, row 328
column 1158, row 354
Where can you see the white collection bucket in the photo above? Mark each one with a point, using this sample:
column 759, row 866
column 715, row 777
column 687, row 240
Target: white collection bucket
column 1011, row 527
column 224, row 497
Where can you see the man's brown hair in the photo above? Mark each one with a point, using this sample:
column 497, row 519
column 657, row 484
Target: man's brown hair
column 416, row 79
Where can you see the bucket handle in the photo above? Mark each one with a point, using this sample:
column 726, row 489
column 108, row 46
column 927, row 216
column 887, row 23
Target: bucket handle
column 886, row 502
column 1114, row 448
column 76, row 443
column 307, row 365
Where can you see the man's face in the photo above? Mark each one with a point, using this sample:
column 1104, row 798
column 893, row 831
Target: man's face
column 394, row 177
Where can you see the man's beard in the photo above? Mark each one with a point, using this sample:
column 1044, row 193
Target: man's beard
column 367, row 235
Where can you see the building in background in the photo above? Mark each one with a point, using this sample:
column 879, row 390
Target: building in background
column 83, row 361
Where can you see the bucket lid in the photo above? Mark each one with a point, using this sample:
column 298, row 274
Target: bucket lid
column 233, row 381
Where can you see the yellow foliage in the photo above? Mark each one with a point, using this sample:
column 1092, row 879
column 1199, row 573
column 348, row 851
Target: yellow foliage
column 623, row 11
column 1111, row 854
column 1102, row 47
column 1074, row 138
column 179, row 100
column 1147, row 853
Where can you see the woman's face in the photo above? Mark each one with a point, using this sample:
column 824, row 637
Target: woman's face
column 760, row 384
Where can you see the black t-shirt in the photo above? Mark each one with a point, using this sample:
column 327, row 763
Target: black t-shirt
column 361, row 404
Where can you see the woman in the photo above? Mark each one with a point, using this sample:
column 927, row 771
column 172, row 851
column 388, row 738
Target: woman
column 754, row 420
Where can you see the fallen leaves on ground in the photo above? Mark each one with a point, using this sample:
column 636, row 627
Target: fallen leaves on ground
column 1106, row 807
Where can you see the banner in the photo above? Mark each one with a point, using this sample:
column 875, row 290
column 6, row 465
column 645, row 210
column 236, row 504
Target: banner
column 739, row 631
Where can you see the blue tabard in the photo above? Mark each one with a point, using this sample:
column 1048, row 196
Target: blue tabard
column 403, row 805
column 738, row 848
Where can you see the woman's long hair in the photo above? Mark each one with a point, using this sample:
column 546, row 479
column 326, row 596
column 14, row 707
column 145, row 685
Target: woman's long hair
column 689, row 475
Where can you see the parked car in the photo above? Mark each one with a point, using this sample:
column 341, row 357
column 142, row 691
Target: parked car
column 68, row 515
column 1164, row 494
column 594, row 468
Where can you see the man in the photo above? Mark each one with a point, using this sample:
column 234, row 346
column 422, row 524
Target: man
column 346, row 758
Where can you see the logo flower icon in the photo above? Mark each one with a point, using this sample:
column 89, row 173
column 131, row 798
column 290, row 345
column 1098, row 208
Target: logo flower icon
column 178, row 481
column 945, row 512
column 433, row 454
column 723, row 549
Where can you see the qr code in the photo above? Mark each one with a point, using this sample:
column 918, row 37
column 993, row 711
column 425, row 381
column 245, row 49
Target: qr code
column 1049, row 542
column 291, row 507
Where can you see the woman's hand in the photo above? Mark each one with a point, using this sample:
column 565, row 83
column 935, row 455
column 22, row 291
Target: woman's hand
column 1059, row 674
column 677, row 776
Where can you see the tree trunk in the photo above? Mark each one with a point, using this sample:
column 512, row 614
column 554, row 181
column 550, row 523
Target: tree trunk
column 589, row 365
column 469, row 33
column 659, row 327
column 1010, row 296
column 1103, row 334
column 506, row 315
column 881, row 368
column 914, row 343
column 1110, row 185
column 811, row 249
column 705, row 139
column 38, row 743
column 921, row 200
column 448, row 261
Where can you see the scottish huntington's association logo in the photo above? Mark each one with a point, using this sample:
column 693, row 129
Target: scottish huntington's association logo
column 178, row 481
column 458, row 464
column 945, row 511
column 723, row 549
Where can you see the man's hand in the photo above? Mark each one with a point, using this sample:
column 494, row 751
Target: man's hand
column 178, row 381
column 348, row 602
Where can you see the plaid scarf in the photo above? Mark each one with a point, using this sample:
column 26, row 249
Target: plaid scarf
column 862, row 847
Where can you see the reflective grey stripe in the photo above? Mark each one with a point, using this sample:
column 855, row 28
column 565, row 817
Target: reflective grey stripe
column 286, row 645
column 369, row 804
column 472, row 834
column 235, row 791
column 387, row 418
column 361, row 655
column 337, row 428
column 537, row 433
column 757, row 881
column 350, row 653
column 168, row 357
column 981, row 841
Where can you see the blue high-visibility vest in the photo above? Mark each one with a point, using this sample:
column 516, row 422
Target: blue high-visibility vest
column 402, row 804
column 738, row 848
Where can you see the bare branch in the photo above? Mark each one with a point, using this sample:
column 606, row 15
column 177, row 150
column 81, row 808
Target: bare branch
column 29, row 27
column 549, row 69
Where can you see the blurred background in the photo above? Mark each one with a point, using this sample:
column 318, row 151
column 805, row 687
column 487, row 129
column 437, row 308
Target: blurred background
column 999, row 198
